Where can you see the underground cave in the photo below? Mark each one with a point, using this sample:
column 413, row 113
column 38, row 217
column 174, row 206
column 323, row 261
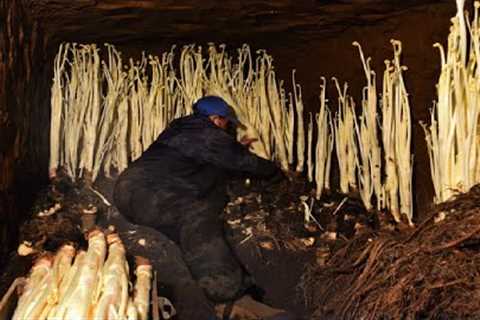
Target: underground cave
column 368, row 109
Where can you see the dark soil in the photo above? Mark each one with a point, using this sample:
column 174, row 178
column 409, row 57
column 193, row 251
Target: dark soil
column 428, row 272
column 264, row 225
column 268, row 232
column 345, row 263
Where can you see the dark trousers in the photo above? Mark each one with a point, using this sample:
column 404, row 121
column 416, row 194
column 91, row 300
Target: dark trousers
column 173, row 275
column 194, row 225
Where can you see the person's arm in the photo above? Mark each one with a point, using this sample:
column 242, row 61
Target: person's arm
column 224, row 151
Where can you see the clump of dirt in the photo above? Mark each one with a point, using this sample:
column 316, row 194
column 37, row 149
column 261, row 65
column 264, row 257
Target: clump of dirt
column 267, row 228
column 287, row 214
column 431, row 271
column 55, row 219
column 57, row 216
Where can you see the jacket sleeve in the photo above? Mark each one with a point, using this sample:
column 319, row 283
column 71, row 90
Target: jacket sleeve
column 222, row 150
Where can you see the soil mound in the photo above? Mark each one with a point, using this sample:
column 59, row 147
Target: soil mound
column 344, row 263
column 431, row 271
column 264, row 224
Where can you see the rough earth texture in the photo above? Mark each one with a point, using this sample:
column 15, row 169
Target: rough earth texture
column 430, row 272
column 344, row 263
column 264, row 225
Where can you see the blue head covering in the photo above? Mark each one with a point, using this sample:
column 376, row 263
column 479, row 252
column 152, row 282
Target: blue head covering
column 213, row 105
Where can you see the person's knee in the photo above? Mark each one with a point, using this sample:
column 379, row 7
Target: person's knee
column 135, row 202
column 221, row 288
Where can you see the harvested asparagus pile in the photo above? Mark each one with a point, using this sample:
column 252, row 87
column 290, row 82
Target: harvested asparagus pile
column 91, row 284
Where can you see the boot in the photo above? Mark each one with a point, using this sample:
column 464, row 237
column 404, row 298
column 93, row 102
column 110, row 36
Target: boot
column 247, row 308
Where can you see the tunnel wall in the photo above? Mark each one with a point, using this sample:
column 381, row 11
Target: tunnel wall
column 24, row 96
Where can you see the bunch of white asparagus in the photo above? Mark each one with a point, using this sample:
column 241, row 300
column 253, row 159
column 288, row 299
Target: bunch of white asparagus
column 104, row 116
column 358, row 147
column 106, row 113
column 319, row 159
column 76, row 102
column 452, row 136
column 252, row 89
column 91, row 288
column 345, row 140
column 396, row 137
column 369, row 164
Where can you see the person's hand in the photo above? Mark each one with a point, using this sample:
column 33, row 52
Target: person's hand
column 288, row 174
column 246, row 141
column 278, row 177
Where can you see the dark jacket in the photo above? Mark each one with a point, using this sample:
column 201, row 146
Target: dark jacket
column 178, row 187
column 194, row 157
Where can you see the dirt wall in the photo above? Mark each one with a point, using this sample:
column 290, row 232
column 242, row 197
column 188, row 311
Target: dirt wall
column 24, row 92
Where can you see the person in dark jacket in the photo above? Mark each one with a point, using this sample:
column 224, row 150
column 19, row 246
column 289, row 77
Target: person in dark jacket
column 178, row 187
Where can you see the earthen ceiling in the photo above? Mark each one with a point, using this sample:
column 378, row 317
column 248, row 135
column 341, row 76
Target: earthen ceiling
column 135, row 20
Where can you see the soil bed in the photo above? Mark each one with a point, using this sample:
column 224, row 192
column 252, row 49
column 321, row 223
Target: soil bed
column 264, row 225
column 344, row 263
column 431, row 271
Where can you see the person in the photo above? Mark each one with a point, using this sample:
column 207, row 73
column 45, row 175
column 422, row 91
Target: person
column 178, row 187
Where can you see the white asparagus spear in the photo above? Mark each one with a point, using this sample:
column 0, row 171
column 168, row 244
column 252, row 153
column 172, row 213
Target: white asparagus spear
column 310, row 165
column 345, row 139
column 36, row 282
column 142, row 287
column 113, row 292
column 297, row 92
column 81, row 301
column 67, row 287
column 61, row 267
column 57, row 109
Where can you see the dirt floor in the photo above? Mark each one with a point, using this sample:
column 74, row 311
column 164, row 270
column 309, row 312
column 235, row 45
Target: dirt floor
column 344, row 263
